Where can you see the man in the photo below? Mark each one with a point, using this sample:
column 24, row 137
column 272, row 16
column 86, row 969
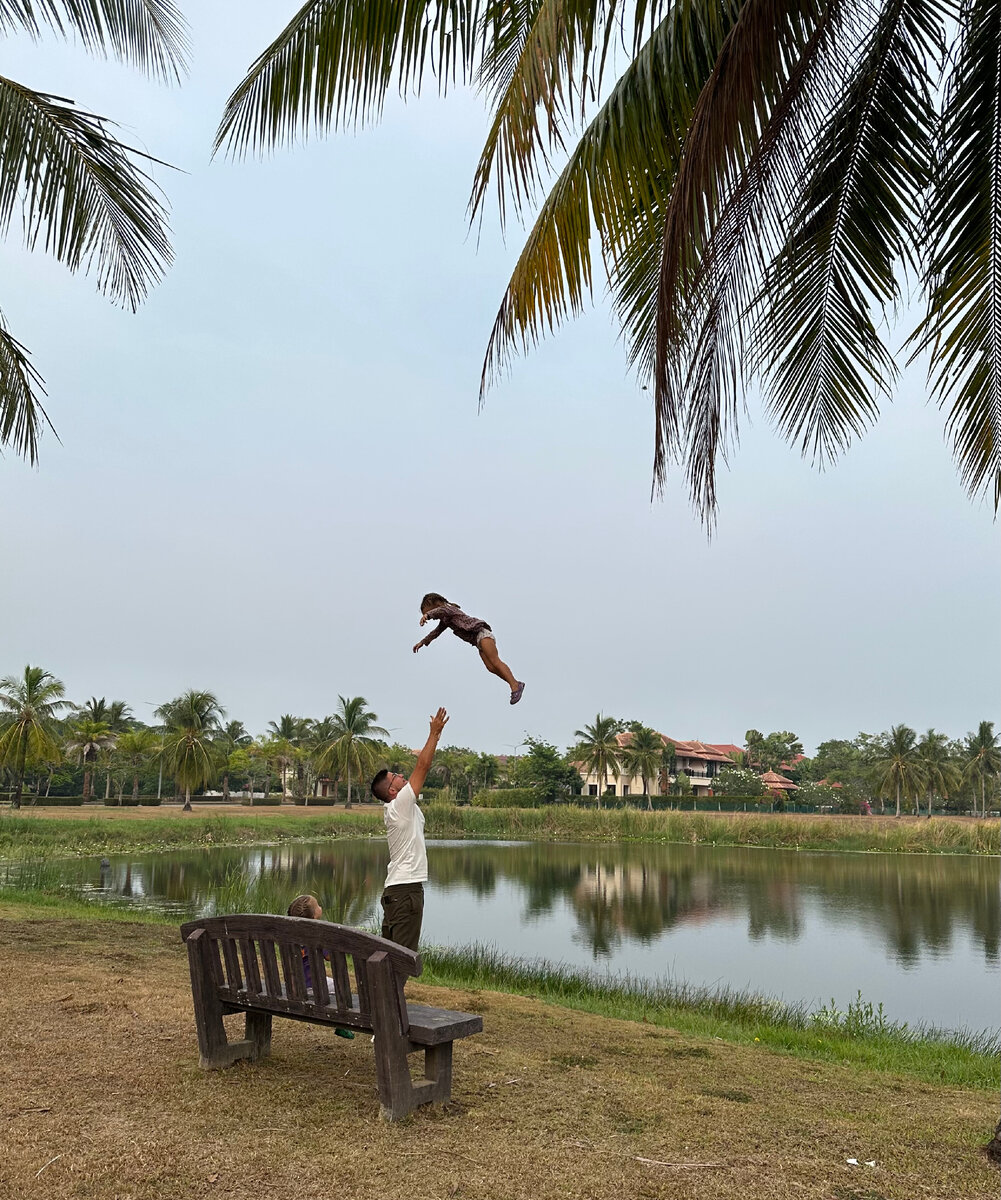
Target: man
column 403, row 896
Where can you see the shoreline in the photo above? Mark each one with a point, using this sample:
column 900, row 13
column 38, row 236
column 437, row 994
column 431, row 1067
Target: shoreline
column 859, row 1038
column 42, row 833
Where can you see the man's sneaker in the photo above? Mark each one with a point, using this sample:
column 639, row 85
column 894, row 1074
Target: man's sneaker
column 516, row 694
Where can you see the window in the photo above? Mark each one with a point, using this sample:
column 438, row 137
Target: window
column 625, row 789
column 592, row 789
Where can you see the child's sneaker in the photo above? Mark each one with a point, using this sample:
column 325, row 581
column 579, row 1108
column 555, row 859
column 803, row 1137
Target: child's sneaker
column 516, row 694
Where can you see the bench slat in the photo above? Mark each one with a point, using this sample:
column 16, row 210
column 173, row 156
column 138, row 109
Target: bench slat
column 295, row 980
column 233, row 976
column 271, row 977
column 342, row 984
column 318, row 973
column 361, row 979
column 251, row 968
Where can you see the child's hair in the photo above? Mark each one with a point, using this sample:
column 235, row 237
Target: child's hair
column 302, row 906
column 433, row 600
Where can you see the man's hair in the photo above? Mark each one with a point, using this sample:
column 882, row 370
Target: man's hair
column 302, row 906
column 433, row 600
column 378, row 783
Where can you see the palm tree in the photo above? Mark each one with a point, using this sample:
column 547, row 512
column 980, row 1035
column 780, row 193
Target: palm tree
column 136, row 747
column 984, row 760
column 941, row 773
column 598, row 749
column 756, row 180
column 232, row 737
column 899, row 771
column 79, row 191
column 289, row 735
column 643, row 756
column 88, row 740
column 355, row 744
column 117, row 716
column 192, row 722
column 29, row 706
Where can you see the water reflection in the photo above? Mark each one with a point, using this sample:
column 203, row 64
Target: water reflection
column 612, row 901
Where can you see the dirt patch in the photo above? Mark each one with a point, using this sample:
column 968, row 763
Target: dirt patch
column 101, row 1098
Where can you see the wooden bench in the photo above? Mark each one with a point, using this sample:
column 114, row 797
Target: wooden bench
column 254, row 964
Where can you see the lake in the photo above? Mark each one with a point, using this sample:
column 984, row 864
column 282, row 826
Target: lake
column 919, row 933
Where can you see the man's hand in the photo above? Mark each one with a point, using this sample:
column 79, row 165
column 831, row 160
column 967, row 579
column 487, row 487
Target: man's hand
column 418, row 646
column 424, row 620
column 438, row 723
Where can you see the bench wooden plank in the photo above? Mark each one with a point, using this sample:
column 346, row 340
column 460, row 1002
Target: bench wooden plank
column 233, row 976
column 271, row 977
column 251, row 968
column 318, row 974
column 342, row 984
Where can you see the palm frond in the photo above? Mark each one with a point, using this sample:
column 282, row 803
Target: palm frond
column 81, row 188
column 22, row 417
column 615, row 184
column 710, row 358
column 335, row 61
column 962, row 327
column 765, row 38
column 147, row 33
column 855, row 225
column 545, row 59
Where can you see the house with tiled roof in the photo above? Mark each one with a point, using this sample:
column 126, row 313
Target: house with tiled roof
column 700, row 761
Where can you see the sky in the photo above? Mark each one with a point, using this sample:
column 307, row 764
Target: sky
column 263, row 470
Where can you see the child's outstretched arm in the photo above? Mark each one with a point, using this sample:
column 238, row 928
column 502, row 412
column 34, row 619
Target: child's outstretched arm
column 436, row 632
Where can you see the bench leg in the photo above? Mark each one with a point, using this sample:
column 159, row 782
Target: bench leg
column 258, row 1034
column 438, row 1070
column 214, row 1048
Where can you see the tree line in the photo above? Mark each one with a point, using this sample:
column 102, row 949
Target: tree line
column 961, row 774
column 52, row 747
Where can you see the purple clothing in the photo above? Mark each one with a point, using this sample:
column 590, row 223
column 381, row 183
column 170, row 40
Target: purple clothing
column 451, row 616
column 307, row 969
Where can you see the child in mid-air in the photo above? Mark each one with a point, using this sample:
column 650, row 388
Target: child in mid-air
column 470, row 629
column 309, row 907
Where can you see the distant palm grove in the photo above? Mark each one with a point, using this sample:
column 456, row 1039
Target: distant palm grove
column 53, row 750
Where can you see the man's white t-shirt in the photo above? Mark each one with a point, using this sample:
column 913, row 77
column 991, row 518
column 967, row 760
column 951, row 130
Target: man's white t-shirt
column 408, row 856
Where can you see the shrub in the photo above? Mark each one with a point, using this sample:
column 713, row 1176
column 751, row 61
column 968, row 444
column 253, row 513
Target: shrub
column 506, row 798
column 125, row 802
column 149, row 801
column 50, row 801
column 275, row 802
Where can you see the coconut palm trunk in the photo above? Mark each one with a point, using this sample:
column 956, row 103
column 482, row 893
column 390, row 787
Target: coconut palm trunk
column 135, row 787
column 898, row 798
column 186, row 807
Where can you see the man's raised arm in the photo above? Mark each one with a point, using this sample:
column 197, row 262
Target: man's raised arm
column 426, row 756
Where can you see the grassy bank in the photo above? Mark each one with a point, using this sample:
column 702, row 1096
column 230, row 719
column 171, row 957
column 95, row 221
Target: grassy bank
column 34, row 834
column 103, row 1099
column 859, row 1037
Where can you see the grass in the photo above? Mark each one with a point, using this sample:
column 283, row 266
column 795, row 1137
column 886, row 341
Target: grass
column 103, row 1100
column 37, row 834
column 860, row 1036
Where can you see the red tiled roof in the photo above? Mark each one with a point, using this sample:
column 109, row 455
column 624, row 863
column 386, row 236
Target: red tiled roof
column 772, row 780
column 709, row 751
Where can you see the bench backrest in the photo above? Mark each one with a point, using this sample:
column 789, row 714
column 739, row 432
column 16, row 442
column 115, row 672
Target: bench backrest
column 256, row 961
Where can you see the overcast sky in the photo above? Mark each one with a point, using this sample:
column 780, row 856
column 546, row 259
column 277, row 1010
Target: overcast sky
column 262, row 472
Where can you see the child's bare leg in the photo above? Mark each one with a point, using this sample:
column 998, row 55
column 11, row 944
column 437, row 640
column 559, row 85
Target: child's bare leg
column 493, row 663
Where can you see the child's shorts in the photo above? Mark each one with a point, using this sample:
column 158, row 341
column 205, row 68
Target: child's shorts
column 485, row 633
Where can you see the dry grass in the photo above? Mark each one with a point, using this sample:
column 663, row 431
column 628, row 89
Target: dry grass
column 102, row 1099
